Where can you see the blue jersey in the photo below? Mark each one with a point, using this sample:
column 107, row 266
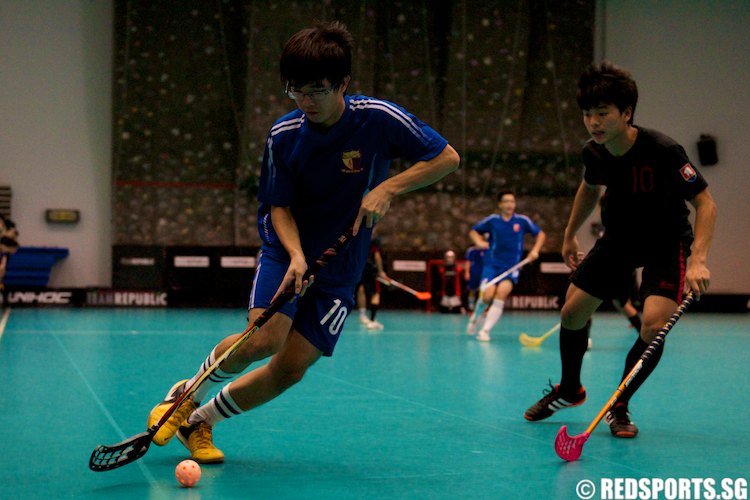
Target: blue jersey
column 323, row 176
column 506, row 238
column 475, row 257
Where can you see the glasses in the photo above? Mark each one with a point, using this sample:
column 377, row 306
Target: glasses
column 315, row 96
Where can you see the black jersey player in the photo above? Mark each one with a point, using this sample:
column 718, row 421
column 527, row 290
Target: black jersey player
column 647, row 178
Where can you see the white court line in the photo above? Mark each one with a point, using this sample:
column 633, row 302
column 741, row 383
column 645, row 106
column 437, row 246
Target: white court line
column 4, row 321
column 146, row 472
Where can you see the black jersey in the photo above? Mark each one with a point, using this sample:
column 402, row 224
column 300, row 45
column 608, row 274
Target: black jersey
column 646, row 188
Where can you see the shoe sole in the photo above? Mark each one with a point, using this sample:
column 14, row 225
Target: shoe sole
column 626, row 435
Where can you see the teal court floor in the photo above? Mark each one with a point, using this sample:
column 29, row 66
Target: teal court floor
column 418, row 410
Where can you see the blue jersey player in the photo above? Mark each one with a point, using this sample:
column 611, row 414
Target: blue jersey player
column 325, row 169
column 503, row 250
column 473, row 272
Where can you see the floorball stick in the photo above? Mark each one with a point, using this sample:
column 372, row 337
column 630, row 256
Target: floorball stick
column 495, row 280
column 505, row 274
column 105, row 458
column 570, row 447
column 529, row 341
column 419, row 295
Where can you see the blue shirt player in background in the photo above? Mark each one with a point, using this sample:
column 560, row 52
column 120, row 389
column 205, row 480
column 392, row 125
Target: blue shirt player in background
column 325, row 169
column 503, row 250
column 473, row 272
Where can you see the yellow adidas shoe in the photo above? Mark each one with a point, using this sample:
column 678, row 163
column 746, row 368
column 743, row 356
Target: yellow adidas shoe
column 179, row 417
column 198, row 439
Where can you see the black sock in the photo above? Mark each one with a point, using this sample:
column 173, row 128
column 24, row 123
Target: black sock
column 633, row 356
column 635, row 320
column 373, row 311
column 573, row 345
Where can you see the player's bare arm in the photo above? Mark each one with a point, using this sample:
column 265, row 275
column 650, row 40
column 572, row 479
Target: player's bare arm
column 584, row 203
column 286, row 229
column 423, row 173
column 697, row 276
column 538, row 244
column 3, row 264
column 478, row 239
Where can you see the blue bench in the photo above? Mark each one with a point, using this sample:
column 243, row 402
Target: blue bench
column 31, row 266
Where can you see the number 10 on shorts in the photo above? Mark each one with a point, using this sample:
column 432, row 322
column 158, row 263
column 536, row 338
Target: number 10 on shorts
column 337, row 315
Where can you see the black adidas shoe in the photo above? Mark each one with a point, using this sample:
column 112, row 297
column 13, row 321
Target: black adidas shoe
column 553, row 401
column 619, row 422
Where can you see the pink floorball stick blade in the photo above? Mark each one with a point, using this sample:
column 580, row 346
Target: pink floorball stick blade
column 569, row 447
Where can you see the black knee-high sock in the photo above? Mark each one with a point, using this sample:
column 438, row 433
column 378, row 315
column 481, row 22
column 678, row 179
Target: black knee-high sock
column 633, row 357
column 373, row 311
column 573, row 345
column 635, row 320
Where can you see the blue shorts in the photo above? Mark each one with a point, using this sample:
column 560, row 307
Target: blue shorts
column 475, row 278
column 318, row 315
column 490, row 271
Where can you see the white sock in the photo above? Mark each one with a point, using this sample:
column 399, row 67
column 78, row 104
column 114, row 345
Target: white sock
column 493, row 314
column 221, row 407
column 218, row 377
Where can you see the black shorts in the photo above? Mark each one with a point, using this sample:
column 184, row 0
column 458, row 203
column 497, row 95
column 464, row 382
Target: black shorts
column 369, row 281
column 607, row 270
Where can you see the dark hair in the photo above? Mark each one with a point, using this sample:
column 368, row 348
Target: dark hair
column 8, row 242
column 314, row 54
column 503, row 193
column 9, row 224
column 606, row 83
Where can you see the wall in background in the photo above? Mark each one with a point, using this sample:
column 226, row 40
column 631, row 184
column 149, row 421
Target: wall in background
column 55, row 128
column 693, row 71
column 197, row 88
column 55, row 137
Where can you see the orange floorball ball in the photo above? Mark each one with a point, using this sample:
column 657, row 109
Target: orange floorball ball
column 188, row 473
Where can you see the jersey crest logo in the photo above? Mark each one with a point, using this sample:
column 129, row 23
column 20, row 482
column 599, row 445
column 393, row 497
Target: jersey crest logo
column 516, row 228
column 352, row 161
column 688, row 173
